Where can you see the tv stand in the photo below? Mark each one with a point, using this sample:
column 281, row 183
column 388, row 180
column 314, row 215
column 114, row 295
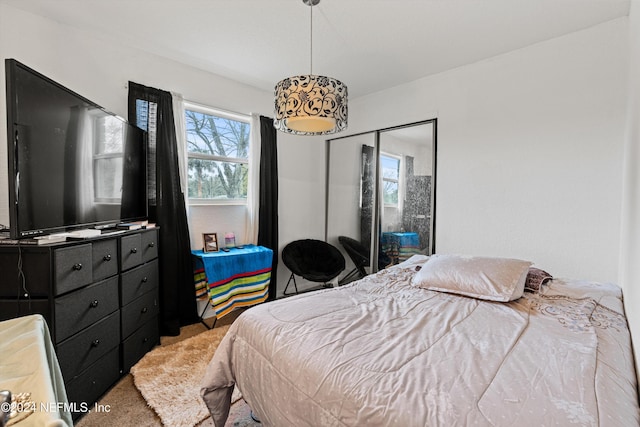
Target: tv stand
column 99, row 297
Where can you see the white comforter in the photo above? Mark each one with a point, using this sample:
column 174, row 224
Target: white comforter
column 379, row 352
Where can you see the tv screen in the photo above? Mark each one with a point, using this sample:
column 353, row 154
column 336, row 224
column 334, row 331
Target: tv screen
column 71, row 163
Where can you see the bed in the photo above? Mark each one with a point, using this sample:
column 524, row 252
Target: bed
column 385, row 351
column 29, row 370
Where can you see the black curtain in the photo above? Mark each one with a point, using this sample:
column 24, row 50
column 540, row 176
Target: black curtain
column 268, row 220
column 152, row 110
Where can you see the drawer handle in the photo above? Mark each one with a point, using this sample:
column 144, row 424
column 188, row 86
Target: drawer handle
column 94, row 304
column 134, row 250
column 95, row 343
column 152, row 244
column 144, row 310
column 77, row 267
column 107, row 257
column 144, row 279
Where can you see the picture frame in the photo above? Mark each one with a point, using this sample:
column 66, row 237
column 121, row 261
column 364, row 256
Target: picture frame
column 210, row 241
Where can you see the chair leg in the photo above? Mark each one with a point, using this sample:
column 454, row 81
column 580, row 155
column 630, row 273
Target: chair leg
column 348, row 277
column 353, row 275
column 295, row 285
column 215, row 317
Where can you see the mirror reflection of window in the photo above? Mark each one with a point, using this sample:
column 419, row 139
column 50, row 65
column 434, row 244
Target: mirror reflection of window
column 390, row 179
column 108, row 162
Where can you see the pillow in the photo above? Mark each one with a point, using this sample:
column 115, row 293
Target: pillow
column 535, row 279
column 493, row 279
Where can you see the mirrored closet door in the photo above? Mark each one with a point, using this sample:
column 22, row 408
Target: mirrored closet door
column 381, row 195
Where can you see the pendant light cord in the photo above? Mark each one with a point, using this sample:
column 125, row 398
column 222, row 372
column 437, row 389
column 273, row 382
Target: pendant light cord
column 311, row 41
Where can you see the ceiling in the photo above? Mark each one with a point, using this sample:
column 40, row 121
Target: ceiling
column 370, row 45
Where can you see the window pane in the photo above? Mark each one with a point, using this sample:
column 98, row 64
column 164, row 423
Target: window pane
column 109, row 186
column 210, row 179
column 390, row 177
column 390, row 193
column 390, row 167
column 109, row 135
column 216, row 135
column 222, row 137
column 142, row 114
column 146, row 119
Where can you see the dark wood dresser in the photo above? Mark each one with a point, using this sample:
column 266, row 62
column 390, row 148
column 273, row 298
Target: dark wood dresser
column 99, row 297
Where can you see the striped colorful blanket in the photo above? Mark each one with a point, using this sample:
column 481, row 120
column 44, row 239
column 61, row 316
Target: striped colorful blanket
column 233, row 279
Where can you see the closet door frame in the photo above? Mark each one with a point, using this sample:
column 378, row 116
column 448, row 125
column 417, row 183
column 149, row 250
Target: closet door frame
column 377, row 206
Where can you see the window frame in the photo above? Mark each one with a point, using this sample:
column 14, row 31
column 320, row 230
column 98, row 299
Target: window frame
column 212, row 111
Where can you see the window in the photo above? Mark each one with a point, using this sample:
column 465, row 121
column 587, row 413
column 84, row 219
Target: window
column 218, row 155
column 147, row 120
column 390, row 178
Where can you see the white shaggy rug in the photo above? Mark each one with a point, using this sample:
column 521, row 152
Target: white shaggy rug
column 169, row 377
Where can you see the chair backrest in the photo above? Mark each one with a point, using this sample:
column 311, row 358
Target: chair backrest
column 358, row 253
column 315, row 260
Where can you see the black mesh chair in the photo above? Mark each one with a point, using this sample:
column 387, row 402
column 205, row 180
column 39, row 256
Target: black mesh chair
column 313, row 260
column 359, row 254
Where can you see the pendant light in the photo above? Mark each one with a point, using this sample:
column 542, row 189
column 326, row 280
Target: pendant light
column 310, row 104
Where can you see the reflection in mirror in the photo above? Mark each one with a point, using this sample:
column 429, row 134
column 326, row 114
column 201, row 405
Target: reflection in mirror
column 350, row 200
column 380, row 196
column 406, row 175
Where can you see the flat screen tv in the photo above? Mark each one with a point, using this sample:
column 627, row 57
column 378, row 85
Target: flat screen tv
column 71, row 163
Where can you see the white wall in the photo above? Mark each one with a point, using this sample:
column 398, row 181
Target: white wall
column 100, row 69
column 529, row 143
column 630, row 249
column 529, row 150
column 301, row 204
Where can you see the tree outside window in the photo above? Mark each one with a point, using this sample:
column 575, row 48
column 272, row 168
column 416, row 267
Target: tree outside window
column 390, row 179
column 218, row 156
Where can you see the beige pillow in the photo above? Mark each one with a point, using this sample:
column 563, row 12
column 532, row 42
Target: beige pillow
column 493, row 279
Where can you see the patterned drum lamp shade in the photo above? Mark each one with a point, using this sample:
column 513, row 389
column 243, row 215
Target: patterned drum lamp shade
column 310, row 105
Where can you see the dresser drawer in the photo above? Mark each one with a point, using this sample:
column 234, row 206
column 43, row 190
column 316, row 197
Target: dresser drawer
column 72, row 268
column 77, row 310
column 149, row 244
column 140, row 342
column 130, row 251
column 138, row 281
column 89, row 385
column 81, row 350
column 105, row 259
column 138, row 312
